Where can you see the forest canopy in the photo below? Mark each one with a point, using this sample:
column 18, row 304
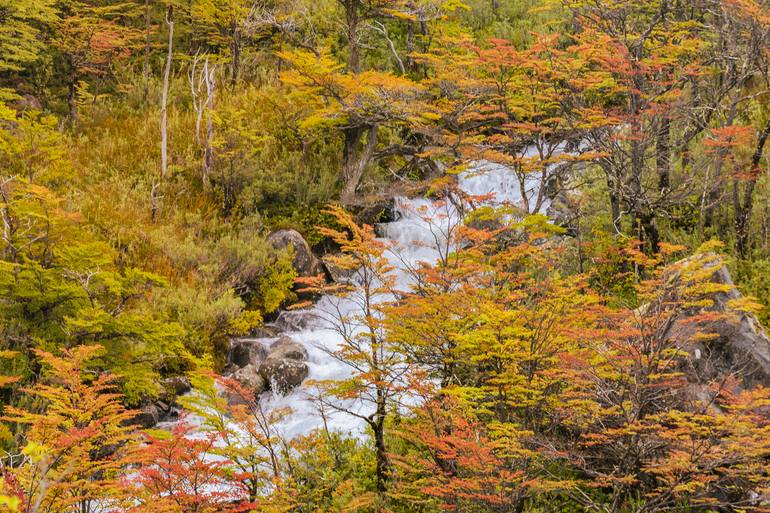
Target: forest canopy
column 384, row 255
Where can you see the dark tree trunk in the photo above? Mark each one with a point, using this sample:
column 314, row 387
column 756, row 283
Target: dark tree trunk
column 411, row 65
column 72, row 99
column 381, row 453
column 236, row 50
column 352, row 20
column 663, row 153
column 743, row 209
column 356, row 159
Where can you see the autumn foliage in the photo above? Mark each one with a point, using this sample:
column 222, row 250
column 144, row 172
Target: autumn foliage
column 580, row 336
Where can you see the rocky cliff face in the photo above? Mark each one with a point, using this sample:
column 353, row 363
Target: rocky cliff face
column 728, row 343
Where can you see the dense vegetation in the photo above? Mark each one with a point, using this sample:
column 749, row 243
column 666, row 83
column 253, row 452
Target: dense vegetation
column 148, row 148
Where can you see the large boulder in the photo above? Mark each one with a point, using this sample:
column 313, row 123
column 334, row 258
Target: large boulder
column 286, row 347
column 338, row 274
column 246, row 351
column 148, row 416
column 305, row 262
column 264, row 332
column 736, row 343
column 283, row 374
column 295, row 320
column 564, row 211
column 250, row 378
column 177, row 385
column 284, row 367
column 28, row 102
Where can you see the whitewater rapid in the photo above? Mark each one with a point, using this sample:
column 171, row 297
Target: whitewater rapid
column 420, row 233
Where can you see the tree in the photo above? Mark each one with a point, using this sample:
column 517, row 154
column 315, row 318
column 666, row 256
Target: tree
column 246, row 438
column 79, row 443
column 200, row 80
column 223, row 23
column 646, row 428
column 528, row 110
column 744, row 207
column 653, row 49
column 356, row 104
column 31, row 147
column 750, row 27
column 91, row 37
column 376, row 371
column 164, row 100
column 20, row 33
column 181, row 475
column 61, row 286
column 453, row 463
column 492, row 347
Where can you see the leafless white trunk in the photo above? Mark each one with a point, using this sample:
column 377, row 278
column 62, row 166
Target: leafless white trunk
column 208, row 154
column 146, row 66
column 164, row 101
column 204, row 105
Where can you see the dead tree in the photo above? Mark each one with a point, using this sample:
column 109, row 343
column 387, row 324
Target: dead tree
column 202, row 87
column 164, row 100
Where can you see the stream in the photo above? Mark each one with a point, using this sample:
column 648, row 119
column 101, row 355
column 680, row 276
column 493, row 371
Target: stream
column 420, row 232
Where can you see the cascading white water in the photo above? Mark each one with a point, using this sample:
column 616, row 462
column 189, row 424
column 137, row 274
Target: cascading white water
column 420, row 234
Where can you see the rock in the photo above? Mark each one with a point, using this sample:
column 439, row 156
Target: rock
column 163, row 407
column 295, row 320
column 177, row 385
column 375, row 209
column 264, row 332
column 739, row 344
column 283, row 374
column 246, row 351
column 148, row 416
column 250, row 377
column 337, row 273
column 305, row 262
column 236, row 400
column 283, row 369
column 287, row 348
column 564, row 211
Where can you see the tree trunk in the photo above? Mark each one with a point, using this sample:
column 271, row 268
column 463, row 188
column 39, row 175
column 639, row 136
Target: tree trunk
column 146, row 66
column 409, row 44
column 642, row 217
column 352, row 20
column 614, row 192
column 715, row 190
column 663, row 153
column 164, row 100
column 236, row 50
column 355, row 160
column 72, row 99
column 208, row 152
column 381, row 453
column 743, row 209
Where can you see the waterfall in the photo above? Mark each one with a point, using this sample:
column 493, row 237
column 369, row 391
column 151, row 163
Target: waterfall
column 420, row 233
